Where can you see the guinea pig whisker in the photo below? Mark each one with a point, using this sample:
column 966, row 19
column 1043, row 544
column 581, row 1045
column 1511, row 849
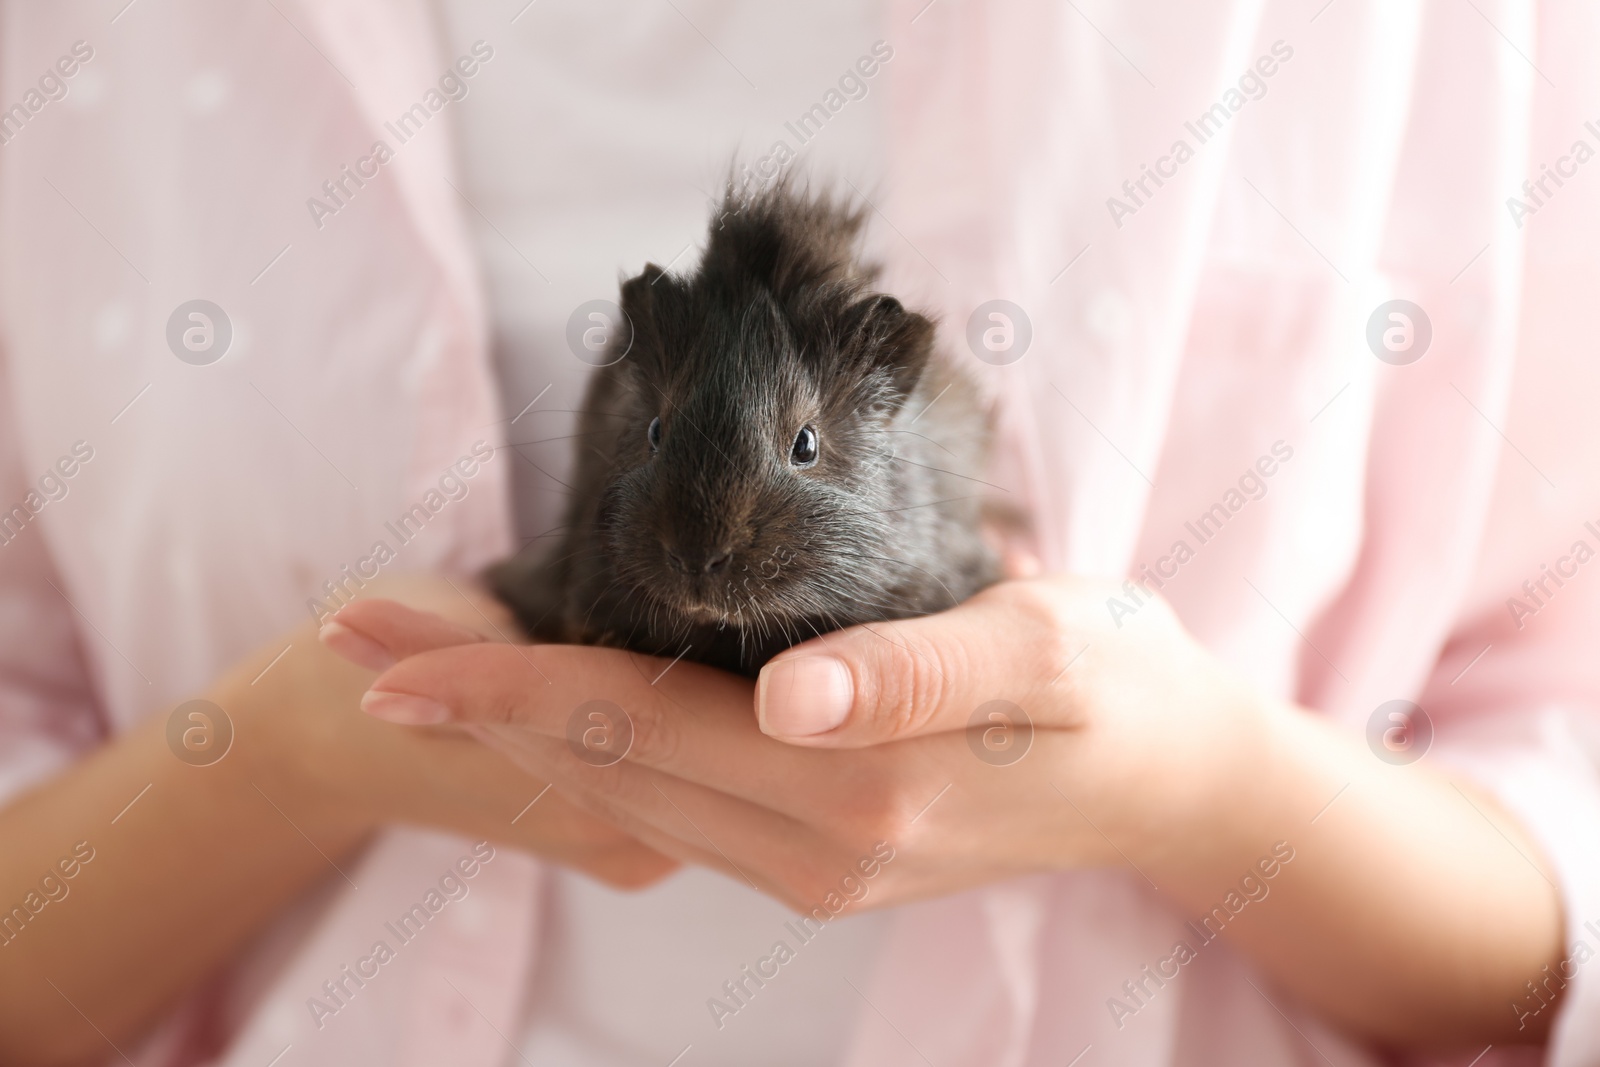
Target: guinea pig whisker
column 579, row 411
column 953, row 474
column 548, row 440
column 574, row 555
column 610, row 586
column 518, row 453
column 924, row 436
column 954, row 600
column 562, row 529
column 541, row 536
column 913, row 507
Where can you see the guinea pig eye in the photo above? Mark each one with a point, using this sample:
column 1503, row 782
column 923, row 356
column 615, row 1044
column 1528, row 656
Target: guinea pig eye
column 804, row 451
column 654, row 433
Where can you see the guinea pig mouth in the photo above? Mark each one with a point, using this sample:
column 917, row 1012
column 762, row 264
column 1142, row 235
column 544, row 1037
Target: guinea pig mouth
column 704, row 601
column 708, row 614
column 731, row 578
column 719, row 600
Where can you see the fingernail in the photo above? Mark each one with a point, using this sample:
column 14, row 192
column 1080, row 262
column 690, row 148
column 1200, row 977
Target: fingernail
column 403, row 708
column 803, row 696
column 355, row 646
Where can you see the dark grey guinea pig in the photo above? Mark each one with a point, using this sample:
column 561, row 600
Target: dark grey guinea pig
column 781, row 452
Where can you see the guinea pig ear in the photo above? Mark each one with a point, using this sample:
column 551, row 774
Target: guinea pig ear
column 638, row 295
column 642, row 302
column 885, row 336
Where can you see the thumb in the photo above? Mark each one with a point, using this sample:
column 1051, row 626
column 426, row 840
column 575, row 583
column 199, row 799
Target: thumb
column 891, row 680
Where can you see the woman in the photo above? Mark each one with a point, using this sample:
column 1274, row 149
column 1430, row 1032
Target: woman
column 1371, row 509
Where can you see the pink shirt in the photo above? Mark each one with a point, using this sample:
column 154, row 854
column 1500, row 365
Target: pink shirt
column 1180, row 330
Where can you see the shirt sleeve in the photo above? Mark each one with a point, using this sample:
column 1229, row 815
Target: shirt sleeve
column 1524, row 722
column 48, row 714
column 1516, row 695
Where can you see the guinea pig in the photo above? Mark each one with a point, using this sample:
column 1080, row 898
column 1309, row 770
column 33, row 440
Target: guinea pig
column 776, row 451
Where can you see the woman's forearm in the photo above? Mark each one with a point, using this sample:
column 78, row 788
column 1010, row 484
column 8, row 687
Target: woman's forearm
column 1413, row 909
column 1387, row 899
column 206, row 856
column 192, row 868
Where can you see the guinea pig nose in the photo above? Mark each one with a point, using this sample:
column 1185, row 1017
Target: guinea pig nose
column 699, row 561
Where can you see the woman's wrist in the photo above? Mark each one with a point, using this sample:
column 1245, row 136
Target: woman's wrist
column 1238, row 792
column 292, row 739
column 1321, row 863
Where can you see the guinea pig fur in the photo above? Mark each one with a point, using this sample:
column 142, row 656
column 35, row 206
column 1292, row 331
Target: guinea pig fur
column 780, row 452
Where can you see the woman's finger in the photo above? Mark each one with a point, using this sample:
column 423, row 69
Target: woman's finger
column 889, row 681
column 770, row 851
column 377, row 634
column 687, row 720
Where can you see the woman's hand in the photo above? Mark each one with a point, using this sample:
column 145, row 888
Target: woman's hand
column 304, row 783
column 1026, row 731
column 979, row 744
column 320, row 756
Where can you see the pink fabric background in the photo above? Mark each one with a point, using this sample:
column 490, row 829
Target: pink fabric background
column 1225, row 315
